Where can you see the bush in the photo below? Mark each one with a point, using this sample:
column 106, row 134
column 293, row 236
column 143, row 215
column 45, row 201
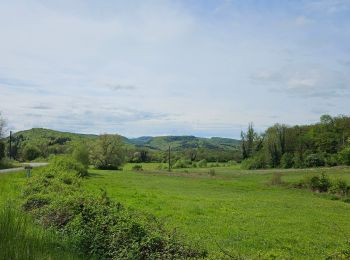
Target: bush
column 287, row 161
column 81, row 154
column 256, row 162
column 182, row 164
column 30, row 152
column 65, row 163
column 137, row 167
column 344, row 156
column 320, row 183
column 7, row 163
column 314, row 160
column 340, row 187
column 202, row 163
column 232, row 162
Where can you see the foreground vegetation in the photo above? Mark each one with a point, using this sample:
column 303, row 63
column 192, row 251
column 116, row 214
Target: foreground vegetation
column 237, row 212
column 20, row 237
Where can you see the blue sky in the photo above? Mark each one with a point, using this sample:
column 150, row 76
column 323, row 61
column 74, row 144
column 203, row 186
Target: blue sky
column 204, row 68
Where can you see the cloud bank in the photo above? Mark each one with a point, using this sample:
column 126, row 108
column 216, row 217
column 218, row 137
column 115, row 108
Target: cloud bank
column 172, row 67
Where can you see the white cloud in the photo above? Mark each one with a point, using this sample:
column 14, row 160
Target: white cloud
column 141, row 68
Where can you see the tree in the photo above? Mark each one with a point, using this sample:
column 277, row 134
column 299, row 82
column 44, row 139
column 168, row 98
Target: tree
column 248, row 142
column 30, row 152
column 108, row 152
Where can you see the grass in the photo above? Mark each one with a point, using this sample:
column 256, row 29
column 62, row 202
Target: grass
column 235, row 210
column 20, row 238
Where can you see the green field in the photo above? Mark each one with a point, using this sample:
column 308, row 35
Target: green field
column 236, row 210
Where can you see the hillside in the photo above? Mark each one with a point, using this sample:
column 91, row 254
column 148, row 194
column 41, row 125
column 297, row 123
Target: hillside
column 185, row 142
column 178, row 143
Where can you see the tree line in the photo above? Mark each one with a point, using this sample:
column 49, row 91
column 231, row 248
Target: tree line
column 326, row 143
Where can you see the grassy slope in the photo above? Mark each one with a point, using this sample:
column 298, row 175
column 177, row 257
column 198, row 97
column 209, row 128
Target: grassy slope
column 20, row 238
column 236, row 209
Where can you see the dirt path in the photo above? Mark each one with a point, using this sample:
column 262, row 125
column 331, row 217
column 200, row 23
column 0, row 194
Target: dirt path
column 34, row 165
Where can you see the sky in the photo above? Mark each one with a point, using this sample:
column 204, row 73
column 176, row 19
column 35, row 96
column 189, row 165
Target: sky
column 180, row 67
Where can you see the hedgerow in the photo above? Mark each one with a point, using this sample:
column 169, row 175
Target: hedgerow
column 96, row 225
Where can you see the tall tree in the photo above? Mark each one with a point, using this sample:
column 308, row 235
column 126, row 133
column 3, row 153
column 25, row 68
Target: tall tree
column 108, row 152
column 248, row 141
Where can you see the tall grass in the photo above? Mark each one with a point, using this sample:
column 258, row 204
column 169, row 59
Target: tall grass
column 21, row 239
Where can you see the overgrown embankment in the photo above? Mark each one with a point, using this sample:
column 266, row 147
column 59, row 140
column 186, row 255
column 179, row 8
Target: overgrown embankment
column 95, row 225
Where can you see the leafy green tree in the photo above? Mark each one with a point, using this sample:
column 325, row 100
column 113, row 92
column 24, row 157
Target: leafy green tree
column 30, row 152
column 108, row 152
column 248, row 142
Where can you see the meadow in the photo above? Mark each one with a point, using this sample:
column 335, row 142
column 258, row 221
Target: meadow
column 235, row 212
column 231, row 213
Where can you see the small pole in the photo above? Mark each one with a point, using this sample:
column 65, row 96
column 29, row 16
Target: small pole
column 10, row 152
column 28, row 168
column 169, row 160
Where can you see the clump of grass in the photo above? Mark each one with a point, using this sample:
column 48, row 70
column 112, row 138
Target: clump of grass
column 276, row 179
column 21, row 239
column 137, row 167
column 211, row 172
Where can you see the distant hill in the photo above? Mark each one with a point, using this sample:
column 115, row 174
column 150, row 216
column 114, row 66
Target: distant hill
column 184, row 142
column 41, row 135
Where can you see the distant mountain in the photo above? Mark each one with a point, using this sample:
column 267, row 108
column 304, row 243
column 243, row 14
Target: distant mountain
column 52, row 137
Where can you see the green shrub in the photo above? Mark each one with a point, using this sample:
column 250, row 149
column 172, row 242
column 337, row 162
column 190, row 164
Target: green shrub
column 320, row 183
column 256, row 162
column 232, row 162
column 30, row 152
column 182, row 164
column 7, row 163
column 287, row 161
column 340, row 187
column 214, row 164
column 81, row 154
column 65, row 163
column 202, row 163
column 314, row 160
column 137, row 167
column 344, row 156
